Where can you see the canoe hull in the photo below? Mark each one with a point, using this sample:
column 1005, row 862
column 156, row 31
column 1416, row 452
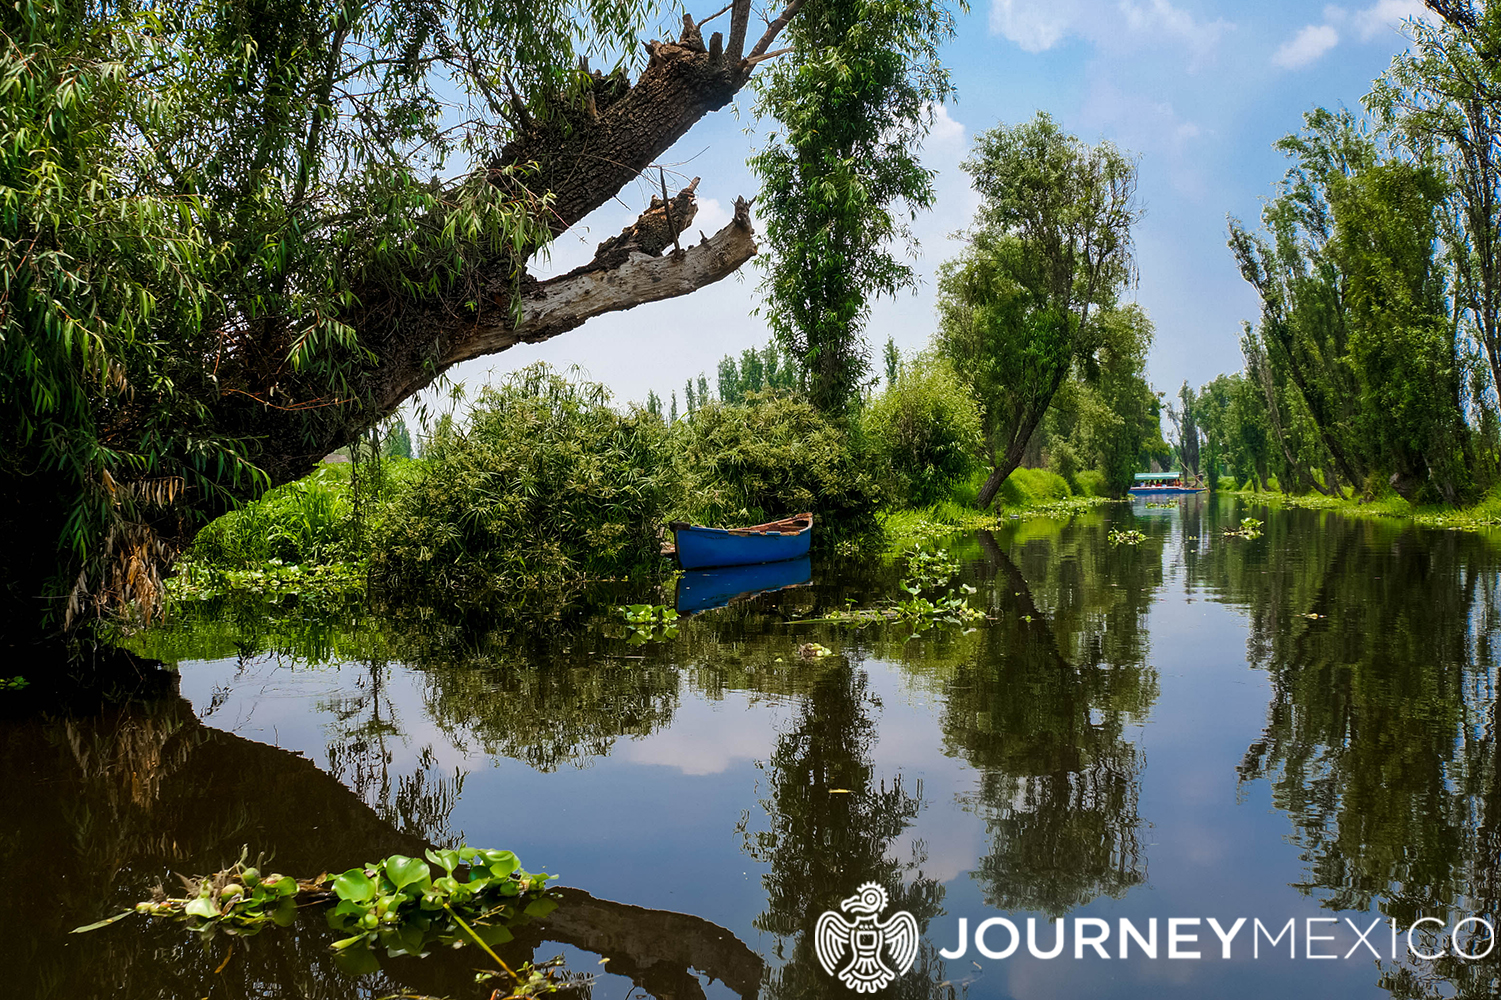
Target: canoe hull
column 703, row 548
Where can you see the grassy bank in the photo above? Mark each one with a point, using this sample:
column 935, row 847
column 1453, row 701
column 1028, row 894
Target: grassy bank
column 1025, row 493
column 1483, row 514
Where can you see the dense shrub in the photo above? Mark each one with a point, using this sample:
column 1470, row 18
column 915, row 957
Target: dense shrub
column 772, row 456
column 547, row 484
column 1092, row 483
column 311, row 520
column 924, row 431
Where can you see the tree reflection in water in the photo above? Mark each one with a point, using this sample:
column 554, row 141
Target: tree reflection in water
column 1380, row 743
column 831, row 825
column 1040, row 710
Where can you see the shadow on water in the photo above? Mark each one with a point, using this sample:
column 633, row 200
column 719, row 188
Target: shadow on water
column 1378, row 642
column 116, row 801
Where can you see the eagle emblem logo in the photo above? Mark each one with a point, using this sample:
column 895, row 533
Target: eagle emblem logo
column 878, row 950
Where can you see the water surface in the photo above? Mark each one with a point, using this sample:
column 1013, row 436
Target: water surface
column 1298, row 725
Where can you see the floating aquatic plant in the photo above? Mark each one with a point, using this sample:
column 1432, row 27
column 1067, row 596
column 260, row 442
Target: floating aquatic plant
column 644, row 622
column 398, row 904
column 1250, row 527
column 926, row 571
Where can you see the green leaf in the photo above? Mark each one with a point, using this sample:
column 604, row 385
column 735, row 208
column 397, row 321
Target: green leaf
column 540, row 907
column 355, row 885
column 445, row 859
column 285, row 913
column 202, row 906
column 354, row 956
column 101, row 923
column 493, row 934
column 404, row 871
column 501, row 863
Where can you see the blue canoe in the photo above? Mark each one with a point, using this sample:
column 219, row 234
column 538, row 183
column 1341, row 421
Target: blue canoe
column 702, row 589
column 700, row 548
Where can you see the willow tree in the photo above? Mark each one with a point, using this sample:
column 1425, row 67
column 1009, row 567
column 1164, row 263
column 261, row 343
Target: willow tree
column 237, row 232
column 1050, row 247
column 853, row 99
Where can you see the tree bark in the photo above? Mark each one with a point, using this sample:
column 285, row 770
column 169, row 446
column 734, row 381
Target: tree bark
column 581, row 156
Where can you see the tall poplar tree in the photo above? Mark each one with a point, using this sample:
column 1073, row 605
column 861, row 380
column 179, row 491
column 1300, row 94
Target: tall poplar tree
column 841, row 178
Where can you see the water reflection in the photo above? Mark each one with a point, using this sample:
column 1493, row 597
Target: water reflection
column 831, row 825
column 1380, row 742
column 1021, row 745
column 119, row 799
column 1040, row 711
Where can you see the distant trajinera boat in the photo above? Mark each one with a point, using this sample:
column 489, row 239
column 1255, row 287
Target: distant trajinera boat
column 1154, row 484
column 699, row 547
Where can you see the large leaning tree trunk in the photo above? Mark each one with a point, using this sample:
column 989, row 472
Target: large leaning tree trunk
column 613, row 135
column 601, row 134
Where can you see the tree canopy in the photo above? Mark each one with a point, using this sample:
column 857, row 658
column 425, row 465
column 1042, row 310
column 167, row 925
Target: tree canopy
column 237, row 232
column 1049, row 248
column 854, row 99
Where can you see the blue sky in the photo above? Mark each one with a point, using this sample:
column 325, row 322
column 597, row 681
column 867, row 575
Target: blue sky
column 1198, row 90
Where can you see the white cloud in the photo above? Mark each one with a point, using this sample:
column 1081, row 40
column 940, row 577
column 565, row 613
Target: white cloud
column 1161, row 17
column 1381, row 18
column 1306, row 46
column 945, row 131
column 1151, row 128
column 1039, row 25
column 1385, row 15
column 710, row 219
column 1034, row 26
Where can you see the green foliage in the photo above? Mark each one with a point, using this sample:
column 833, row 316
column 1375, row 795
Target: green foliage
column 196, row 580
column 1125, row 536
column 1435, row 100
column 1033, row 487
column 1104, row 419
column 768, row 368
column 398, row 441
column 397, row 903
column 237, row 901
column 1250, row 527
column 1091, row 483
column 854, row 100
column 547, row 484
column 924, row 430
column 933, row 597
column 1356, row 312
column 1050, row 245
column 643, row 621
column 308, row 521
column 193, row 198
column 1232, row 414
column 774, row 456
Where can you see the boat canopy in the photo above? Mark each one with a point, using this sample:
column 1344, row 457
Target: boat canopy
column 1157, row 477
